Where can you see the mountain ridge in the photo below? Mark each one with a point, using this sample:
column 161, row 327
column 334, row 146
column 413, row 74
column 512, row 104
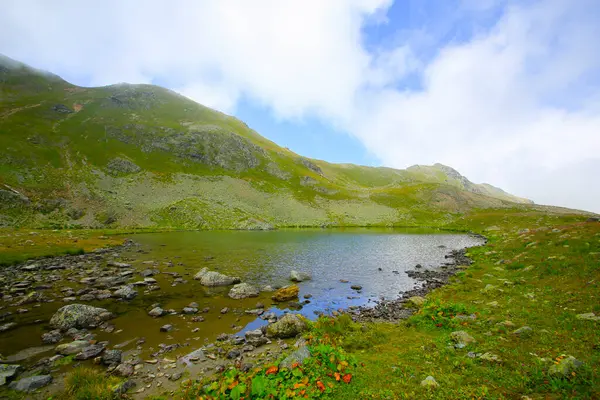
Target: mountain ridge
column 144, row 156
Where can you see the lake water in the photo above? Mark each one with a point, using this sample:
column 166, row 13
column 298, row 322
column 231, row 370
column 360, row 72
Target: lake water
column 260, row 258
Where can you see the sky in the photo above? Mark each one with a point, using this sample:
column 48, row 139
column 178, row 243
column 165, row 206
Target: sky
column 506, row 92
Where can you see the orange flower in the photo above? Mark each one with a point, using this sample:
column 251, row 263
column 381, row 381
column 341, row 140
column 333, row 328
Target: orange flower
column 294, row 365
column 347, row 378
column 271, row 370
column 337, row 376
column 321, row 386
column 298, row 385
column 232, row 385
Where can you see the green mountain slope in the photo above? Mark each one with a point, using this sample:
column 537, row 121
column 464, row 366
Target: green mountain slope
column 143, row 156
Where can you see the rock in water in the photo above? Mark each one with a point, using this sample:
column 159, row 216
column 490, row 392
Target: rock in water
column 286, row 293
column 8, row 372
column 90, row 351
column 297, row 356
column 112, row 357
column 242, row 291
column 212, row 278
column 79, row 316
column 157, row 312
column 299, row 276
column 31, row 383
column 72, row 348
column 126, row 292
column 289, row 325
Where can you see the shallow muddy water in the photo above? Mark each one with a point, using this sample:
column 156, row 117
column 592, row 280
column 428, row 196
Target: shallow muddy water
column 375, row 259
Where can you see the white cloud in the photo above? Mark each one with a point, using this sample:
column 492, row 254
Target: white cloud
column 513, row 106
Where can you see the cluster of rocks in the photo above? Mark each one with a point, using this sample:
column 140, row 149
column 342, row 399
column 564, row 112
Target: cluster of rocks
column 403, row 307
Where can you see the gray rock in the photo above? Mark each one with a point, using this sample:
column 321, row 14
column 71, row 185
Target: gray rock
column 90, row 351
column 356, row 287
column 166, row 328
column 118, row 264
column 123, row 387
column 126, row 292
column 7, row 327
column 112, row 357
column 190, row 310
column 124, row 370
column 242, row 291
column 79, row 316
column 523, row 332
column 297, row 356
column 31, row 383
column 194, row 356
column 234, row 353
column 74, row 347
column 296, row 276
column 52, row 337
column 176, row 376
column 213, row 278
column 157, row 312
column 8, row 372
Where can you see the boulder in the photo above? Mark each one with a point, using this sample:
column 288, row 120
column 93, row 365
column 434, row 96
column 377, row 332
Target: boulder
column 123, row 370
column 213, row 278
column 297, row 357
column 31, row 383
column 289, row 325
column 256, row 338
column 190, row 310
column 112, row 357
column 242, row 291
column 157, row 312
column 90, row 351
column 564, row 367
column 8, row 372
column 52, row 337
column 125, row 292
column 73, row 347
column 79, row 316
column 296, row 276
column 286, row 293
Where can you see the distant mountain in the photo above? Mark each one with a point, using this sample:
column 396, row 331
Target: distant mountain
column 443, row 174
column 144, row 156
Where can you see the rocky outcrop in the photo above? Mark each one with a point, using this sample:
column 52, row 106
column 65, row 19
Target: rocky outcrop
column 213, row 278
column 243, row 290
column 79, row 316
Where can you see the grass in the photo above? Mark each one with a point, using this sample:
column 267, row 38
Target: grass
column 85, row 383
column 20, row 245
